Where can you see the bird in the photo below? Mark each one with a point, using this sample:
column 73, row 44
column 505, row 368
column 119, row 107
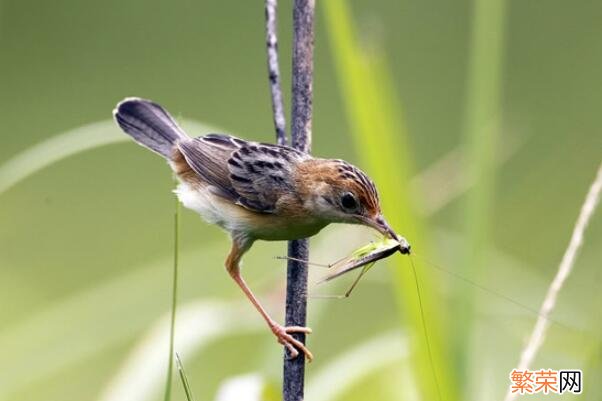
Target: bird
column 256, row 191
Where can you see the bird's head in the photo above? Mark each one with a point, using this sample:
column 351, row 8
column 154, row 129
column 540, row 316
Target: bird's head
column 339, row 192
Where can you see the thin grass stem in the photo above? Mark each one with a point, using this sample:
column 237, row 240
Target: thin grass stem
column 184, row 379
column 174, row 300
column 564, row 270
column 301, row 122
column 271, row 29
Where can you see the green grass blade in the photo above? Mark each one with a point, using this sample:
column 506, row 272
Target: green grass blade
column 481, row 126
column 184, row 379
column 174, row 301
column 59, row 147
column 373, row 111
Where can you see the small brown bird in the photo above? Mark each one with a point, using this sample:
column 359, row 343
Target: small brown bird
column 256, row 191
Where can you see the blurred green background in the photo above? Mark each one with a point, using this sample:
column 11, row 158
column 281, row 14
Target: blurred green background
column 86, row 243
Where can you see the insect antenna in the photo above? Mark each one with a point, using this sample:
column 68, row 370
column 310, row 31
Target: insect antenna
column 426, row 336
column 490, row 291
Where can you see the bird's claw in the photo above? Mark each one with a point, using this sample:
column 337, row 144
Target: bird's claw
column 293, row 345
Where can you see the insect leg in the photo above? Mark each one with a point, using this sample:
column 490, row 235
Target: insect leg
column 326, row 265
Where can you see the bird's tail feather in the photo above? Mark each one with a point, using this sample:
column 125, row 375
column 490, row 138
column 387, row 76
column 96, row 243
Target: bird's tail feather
column 149, row 124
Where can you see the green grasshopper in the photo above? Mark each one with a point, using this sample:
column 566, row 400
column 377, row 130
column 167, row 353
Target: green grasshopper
column 365, row 257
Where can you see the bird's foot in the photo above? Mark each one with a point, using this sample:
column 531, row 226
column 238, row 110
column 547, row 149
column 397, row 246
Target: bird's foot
column 294, row 346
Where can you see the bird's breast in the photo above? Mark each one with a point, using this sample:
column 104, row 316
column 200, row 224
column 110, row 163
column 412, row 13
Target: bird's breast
column 279, row 228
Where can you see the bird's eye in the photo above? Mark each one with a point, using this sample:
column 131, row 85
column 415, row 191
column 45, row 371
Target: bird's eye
column 349, row 202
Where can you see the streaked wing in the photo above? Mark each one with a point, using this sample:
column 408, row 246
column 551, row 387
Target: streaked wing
column 262, row 173
column 251, row 174
column 207, row 156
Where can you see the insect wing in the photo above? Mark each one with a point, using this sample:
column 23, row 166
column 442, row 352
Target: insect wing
column 380, row 250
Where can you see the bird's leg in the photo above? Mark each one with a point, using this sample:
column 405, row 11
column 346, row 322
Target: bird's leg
column 282, row 333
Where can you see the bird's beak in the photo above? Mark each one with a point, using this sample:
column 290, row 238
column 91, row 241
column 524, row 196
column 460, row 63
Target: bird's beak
column 381, row 225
